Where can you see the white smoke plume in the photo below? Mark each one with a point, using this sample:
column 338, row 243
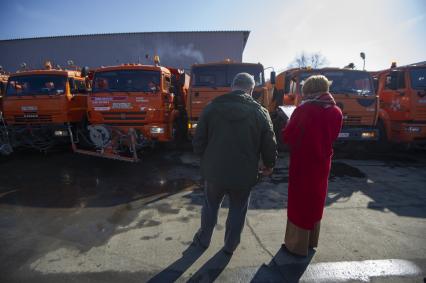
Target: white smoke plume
column 179, row 54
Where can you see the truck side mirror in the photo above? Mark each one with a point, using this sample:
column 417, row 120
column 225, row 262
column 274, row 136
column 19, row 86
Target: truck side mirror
column 273, row 77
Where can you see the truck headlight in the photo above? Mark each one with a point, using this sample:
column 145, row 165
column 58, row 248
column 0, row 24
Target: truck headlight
column 192, row 125
column 60, row 133
column 412, row 129
column 368, row 135
column 157, row 130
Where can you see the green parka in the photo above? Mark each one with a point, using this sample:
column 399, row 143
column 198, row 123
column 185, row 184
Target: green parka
column 232, row 134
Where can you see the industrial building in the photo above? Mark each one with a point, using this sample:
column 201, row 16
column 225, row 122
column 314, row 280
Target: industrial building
column 176, row 49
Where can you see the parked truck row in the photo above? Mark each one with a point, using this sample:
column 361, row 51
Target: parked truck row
column 117, row 111
column 402, row 94
column 354, row 94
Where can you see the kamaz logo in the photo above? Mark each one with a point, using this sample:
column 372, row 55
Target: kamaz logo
column 29, row 108
column 30, row 116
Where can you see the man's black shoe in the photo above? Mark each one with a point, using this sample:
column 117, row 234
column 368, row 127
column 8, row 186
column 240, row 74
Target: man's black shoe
column 197, row 243
column 228, row 253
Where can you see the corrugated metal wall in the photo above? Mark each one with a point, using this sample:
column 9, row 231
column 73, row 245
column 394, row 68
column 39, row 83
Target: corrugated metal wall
column 178, row 49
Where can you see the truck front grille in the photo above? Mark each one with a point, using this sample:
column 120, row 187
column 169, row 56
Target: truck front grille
column 32, row 118
column 351, row 120
column 124, row 116
column 420, row 113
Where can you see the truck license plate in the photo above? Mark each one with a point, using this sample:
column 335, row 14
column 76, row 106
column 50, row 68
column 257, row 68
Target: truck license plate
column 121, row 105
column 343, row 135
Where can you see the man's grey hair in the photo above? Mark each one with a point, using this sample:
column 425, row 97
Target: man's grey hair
column 244, row 82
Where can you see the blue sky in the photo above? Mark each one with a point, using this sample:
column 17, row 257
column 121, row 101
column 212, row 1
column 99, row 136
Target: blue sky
column 280, row 29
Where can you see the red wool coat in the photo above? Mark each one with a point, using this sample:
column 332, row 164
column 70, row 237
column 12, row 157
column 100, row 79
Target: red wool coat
column 310, row 133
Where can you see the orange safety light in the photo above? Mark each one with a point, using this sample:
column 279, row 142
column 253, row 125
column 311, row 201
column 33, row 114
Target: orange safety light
column 68, row 91
column 157, row 60
column 48, row 65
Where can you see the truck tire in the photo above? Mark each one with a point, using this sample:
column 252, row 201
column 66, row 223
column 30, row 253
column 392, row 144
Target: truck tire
column 5, row 147
column 382, row 145
column 279, row 123
column 82, row 134
column 180, row 128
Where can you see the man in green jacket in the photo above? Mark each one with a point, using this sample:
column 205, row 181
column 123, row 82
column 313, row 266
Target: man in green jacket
column 233, row 133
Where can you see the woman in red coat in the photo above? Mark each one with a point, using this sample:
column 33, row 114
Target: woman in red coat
column 313, row 127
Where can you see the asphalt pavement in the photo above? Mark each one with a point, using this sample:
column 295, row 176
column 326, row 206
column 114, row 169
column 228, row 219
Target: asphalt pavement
column 71, row 218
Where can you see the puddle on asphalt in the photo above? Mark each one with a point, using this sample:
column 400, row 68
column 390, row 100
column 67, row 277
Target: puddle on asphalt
column 70, row 196
column 338, row 169
column 68, row 180
column 393, row 158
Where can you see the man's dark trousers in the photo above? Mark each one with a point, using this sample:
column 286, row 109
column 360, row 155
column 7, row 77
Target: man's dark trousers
column 238, row 204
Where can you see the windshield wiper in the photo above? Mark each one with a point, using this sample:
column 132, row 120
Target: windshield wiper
column 353, row 91
column 365, row 92
column 104, row 90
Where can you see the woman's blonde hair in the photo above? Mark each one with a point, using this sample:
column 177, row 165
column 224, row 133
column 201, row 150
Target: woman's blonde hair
column 315, row 84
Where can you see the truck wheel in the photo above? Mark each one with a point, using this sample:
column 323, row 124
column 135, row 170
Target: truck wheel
column 82, row 134
column 5, row 147
column 382, row 145
column 278, row 123
column 180, row 129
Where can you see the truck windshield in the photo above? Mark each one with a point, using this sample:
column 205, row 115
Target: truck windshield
column 36, row 85
column 418, row 76
column 127, row 81
column 222, row 75
column 346, row 82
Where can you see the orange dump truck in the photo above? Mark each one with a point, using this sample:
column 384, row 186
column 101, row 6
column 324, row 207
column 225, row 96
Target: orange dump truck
column 132, row 106
column 211, row 80
column 402, row 93
column 352, row 89
column 39, row 106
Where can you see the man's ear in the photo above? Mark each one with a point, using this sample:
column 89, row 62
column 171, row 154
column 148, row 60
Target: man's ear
column 251, row 91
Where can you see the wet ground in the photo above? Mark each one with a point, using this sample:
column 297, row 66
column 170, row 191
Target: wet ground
column 67, row 217
column 66, row 180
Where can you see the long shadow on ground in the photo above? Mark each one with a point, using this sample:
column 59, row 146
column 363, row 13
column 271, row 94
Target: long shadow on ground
column 283, row 267
column 177, row 268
